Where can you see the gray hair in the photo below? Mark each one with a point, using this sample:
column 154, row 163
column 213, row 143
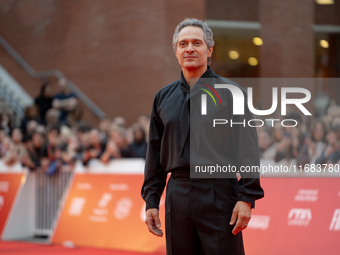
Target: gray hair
column 191, row 22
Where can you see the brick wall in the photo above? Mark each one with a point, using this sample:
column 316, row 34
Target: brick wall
column 236, row 10
column 119, row 53
column 248, row 10
column 327, row 14
column 288, row 36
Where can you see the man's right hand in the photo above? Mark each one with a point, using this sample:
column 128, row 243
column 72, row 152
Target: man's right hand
column 153, row 222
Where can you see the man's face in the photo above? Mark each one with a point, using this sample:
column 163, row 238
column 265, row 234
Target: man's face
column 192, row 51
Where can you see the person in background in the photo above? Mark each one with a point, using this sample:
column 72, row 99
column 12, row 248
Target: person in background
column 104, row 126
column 31, row 127
column 144, row 122
column 44, row 101
column 52, row 117
column 73, row 152
column 288, row 141
column 6, row 122
column 3, row 135
column 137, row 149
column 16, row 150
column 312, row 147
column 36, row 156
column 265, row 142
column 119, row 121
column 65, row 101
column 31, row 114
column 118, row 135
column 75, row 118
column 84, row 136
column 41, row 129
column 64, row 136
column 96, row 148
column 116, row 146
column 5, row 143
column 53, row 134
column 330, row 154
column 278, row 133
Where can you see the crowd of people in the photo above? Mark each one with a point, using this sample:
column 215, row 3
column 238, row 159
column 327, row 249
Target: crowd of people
column 53, row 134
column 314, row 140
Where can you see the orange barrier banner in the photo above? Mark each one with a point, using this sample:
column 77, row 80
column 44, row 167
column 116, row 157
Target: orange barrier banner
column 296, row 216
column 106, row 210
column 9, row 186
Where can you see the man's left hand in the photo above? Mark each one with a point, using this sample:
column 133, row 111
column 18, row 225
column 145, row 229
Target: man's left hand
column 241, row 212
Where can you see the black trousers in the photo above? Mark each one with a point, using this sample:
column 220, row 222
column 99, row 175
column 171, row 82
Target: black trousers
column 198, row 213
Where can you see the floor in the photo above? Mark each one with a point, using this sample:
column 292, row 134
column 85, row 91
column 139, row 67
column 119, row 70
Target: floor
column 21, row 248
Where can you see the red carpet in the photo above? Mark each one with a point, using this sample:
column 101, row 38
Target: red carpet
column 20, row 248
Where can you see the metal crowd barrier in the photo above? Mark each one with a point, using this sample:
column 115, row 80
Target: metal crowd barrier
column 49, row 193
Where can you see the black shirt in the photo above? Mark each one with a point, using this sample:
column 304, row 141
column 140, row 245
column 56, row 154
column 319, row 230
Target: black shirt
column 166, row 152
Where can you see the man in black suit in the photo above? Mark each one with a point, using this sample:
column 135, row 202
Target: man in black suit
column 203, row 215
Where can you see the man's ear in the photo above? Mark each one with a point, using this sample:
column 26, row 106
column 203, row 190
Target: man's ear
column 176, row 53
column 210, row 51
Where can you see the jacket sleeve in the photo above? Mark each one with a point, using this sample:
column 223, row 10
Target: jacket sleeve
column 154, row 174
column 248, row 155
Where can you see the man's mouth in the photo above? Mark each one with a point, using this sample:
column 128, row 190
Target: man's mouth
column 190, row 57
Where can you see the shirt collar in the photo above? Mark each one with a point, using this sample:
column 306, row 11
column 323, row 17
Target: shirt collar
column 209, row 73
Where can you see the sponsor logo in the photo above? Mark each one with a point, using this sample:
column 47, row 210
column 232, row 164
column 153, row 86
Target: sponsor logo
column 4, row 186
column 119, row 186
column 123, row 208
column 84, row 186
column 101, row 212
column 104, row 200
column 299, row 217
column 259, row 222
column 335, row 223
column 77, row 205
column 307, row 195
column 95, row 218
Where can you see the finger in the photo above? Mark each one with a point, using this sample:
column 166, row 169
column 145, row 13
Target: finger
column 233, row 217
column 238, row 227
column 150, row 222
column 157, row 232
column 156, row 219
column 241, row 224
column 153, row 229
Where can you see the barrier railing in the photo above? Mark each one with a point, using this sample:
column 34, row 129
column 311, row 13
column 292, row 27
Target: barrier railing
column 37, row 203
column 49, row 192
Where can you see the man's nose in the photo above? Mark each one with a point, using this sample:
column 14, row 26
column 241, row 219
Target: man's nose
column 190, row 48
